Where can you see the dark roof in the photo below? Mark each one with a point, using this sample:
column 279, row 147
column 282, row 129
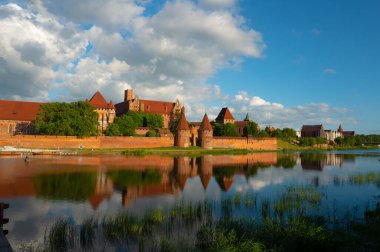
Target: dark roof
column 224, row 114
column 348, row 133
column 206, row 125
column 241, row 124
column 340, row 129
column 182, row 124
column 312, row 128
column 247, row 118
column 19, row 110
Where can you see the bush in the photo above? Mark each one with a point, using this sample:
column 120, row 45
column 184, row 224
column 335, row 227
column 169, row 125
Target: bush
column 151, row 133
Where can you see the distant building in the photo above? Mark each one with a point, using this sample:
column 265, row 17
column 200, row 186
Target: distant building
column 312, row 131
column 106, row 111
column 345, row 133
column 16, row 117
column 331, row 135
column 298, row 133
column 225, row 116
column 168, row 110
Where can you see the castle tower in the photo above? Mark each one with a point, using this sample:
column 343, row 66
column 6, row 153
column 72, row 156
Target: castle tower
column 340, row 129
column 183, row 133
column 205, row 134
column 128, row 95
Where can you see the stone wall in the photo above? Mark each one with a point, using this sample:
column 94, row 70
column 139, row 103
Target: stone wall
column 267, row 143
column 33, row 141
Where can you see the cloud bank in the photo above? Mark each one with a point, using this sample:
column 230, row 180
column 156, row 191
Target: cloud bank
column 67, row 50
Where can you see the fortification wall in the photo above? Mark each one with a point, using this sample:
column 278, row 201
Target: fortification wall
column 34, row 141
column 268, row 143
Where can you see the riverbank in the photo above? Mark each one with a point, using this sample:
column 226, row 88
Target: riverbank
column 286, row 146
column 171, row 151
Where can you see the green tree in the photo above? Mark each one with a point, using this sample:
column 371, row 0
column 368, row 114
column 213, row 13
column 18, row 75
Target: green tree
column 151, row 133
column 230, row 129
column 288, row 133
column 264, row 133
column 218, row 129
column 338, row 140
column 153, row 121
column 67, row 119
column 251, row 129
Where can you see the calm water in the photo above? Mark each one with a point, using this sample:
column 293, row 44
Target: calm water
column 48, row 188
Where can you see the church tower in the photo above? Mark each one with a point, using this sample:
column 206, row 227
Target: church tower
column 183, row 133
column 205, row 133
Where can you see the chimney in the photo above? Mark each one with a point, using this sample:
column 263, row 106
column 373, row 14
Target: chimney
column 128, row 95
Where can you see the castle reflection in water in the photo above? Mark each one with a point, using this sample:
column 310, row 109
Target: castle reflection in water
column 95, row 179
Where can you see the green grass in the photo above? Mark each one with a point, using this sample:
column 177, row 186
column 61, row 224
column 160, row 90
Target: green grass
column 215, row 226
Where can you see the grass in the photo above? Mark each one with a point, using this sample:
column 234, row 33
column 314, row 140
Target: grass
column 218, row 226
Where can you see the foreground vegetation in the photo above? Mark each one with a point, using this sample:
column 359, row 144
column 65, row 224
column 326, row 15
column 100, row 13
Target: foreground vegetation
column 243, row 222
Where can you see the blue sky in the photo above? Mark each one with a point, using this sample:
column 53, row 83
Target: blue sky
column 287, row 63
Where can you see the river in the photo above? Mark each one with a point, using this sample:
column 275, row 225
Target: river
column 48, row 188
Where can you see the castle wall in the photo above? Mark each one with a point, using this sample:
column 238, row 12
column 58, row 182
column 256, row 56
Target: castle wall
column 34, row 141
column 267, row 143
column 37, row 141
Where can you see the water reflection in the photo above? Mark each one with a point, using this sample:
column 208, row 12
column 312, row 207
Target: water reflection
column 78, row 187
column 95, row 178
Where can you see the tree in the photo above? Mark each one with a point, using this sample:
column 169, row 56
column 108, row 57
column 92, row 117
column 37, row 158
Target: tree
column 151, row 133
column 230, row 129
column 251, row 129
column 264, row 133
column 153, row 121
column 338, row 140
column 288, row 133
column 217, row 128
column 67, row 119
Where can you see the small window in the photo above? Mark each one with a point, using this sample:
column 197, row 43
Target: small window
column 10, row 129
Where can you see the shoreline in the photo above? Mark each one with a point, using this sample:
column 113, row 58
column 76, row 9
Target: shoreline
column 166, row 151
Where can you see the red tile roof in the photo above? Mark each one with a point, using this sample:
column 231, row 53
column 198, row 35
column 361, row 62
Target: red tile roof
column 158, row 107
column 183, row 125
column 111, row 105
column 224, row 114
column 153, row 107
column 205, row 125
column 98, row 101
column 19, row 110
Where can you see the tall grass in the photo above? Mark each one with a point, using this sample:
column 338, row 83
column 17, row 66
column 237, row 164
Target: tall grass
column 242, row 222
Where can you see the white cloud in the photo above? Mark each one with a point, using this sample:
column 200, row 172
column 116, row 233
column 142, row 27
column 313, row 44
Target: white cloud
column 217, row 3
column 278, row 115
column 111, row 14
column 329, row 71
column 30, row 46
column 167, row 55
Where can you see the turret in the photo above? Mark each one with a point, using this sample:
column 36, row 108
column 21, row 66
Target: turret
column 183, row 133
column 205, row 134
column 128, row 95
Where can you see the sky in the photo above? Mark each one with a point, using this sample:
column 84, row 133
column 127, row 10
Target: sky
column 286, row 63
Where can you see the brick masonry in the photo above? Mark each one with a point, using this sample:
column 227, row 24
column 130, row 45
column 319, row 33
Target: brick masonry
column 36, row 141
